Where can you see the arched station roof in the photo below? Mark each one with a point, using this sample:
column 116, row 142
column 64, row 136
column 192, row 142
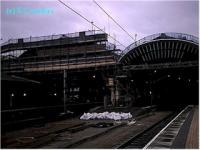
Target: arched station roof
column 161, row 48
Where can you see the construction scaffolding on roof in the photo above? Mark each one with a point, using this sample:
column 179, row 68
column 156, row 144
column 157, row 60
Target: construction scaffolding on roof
column 58, row 52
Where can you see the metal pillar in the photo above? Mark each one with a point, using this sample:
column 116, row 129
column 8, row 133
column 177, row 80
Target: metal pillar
column 11, row 100
column 117, row 93
column 64, row 90
column 105, row 101
column 113, row 95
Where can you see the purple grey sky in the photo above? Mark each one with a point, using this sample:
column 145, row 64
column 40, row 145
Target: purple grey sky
column 137, row 17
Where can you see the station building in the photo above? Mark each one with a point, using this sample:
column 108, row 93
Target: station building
column 83, row 70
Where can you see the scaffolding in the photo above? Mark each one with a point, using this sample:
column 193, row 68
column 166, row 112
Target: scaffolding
column 65, row 56
column 90, row 51
column 58, row 52
column 84, row 69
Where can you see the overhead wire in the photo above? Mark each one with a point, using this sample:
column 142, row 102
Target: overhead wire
column 114, row 20
column 89, row 21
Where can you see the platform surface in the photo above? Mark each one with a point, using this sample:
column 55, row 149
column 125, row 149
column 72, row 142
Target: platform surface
column 193, row 135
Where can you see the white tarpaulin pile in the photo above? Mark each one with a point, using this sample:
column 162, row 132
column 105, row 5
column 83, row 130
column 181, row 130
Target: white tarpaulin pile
column 106, row 115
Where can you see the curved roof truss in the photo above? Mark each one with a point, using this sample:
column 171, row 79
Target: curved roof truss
column 162, row 47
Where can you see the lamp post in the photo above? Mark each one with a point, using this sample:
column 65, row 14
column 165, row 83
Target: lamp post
column 11, row 100
column 150, row 92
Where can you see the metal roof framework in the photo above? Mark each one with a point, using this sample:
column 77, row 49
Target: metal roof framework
column 161, row 48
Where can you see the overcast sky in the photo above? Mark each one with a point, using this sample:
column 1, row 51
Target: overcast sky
column 137, row 17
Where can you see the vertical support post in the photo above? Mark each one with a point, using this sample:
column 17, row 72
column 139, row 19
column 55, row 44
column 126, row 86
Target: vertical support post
column 151, row 100
column 64, row 90
column 117, row 93
column 105, row 101
column 151, row 89
column 112, row 90
column 113, row 95
column 151, row 92
column 11, row 100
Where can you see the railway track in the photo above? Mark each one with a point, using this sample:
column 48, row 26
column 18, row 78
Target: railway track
column 40, row 137
column 15, row 119
column 59, row 133
column 160, row 135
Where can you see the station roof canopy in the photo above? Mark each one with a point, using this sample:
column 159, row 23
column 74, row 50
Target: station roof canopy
column 161, row 48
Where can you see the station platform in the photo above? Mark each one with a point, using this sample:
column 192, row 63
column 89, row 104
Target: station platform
column 188, row 136
column 192, row 141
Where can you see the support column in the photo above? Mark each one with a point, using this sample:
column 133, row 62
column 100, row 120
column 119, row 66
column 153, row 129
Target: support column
column 112, row 95
column 110, row 84
column 64, row 90
column 105, row 101
column 117, row 93
column 11, row 100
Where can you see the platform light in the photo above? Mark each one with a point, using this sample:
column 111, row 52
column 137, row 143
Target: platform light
column 94, row 76
column 189, row 80
column 155, row 71
column 132, row 80
column 24, row 94
column 179, row 78
column 168, row 75
column 150, row 92
column 55, row 94
column 12, row 94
